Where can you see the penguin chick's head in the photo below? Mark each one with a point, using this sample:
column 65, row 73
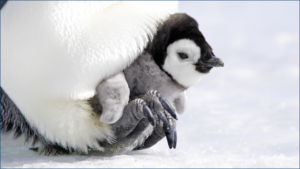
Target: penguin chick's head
column 180, row 49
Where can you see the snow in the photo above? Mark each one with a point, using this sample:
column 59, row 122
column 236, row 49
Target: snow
column 243, row 115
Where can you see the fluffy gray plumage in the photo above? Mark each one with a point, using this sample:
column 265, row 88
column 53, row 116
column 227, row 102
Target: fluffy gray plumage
column 141, row 76
column 144, row 75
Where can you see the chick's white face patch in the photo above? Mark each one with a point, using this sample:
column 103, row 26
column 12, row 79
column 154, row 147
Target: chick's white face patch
column 183, row 70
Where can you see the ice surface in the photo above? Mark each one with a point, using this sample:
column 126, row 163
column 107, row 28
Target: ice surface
column 243, row 115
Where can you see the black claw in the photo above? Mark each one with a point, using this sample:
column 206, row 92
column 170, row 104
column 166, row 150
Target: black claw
column 168, row 107
column 171, row 135
column 166, row 124
column 34, row 149
column 148, row 114
column 175, row 139
column 170, row 139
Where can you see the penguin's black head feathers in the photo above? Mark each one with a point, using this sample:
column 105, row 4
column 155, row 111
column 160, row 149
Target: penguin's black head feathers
column 180, row 26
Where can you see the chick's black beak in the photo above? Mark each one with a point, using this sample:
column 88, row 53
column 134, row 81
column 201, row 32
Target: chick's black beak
column 214, row 62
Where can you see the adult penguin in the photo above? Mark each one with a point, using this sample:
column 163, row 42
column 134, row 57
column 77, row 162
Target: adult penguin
column 150, row 82
column 54, row 54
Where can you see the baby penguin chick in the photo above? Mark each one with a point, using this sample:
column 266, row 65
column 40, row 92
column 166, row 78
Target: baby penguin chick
column 177, row 57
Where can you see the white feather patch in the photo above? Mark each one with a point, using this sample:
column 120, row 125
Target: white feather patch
column 54, row 54
column 183, row 71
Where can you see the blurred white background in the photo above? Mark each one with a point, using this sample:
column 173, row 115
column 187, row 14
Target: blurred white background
column 243, row 115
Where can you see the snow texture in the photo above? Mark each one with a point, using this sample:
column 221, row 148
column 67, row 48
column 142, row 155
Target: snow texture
column 243, row 115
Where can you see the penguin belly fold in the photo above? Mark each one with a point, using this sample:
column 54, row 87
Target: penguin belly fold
column 54, row 54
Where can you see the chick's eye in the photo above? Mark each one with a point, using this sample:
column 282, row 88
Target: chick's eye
column 183, row 55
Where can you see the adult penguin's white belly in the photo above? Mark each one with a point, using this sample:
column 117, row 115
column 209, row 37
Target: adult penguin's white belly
column 54, row 54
